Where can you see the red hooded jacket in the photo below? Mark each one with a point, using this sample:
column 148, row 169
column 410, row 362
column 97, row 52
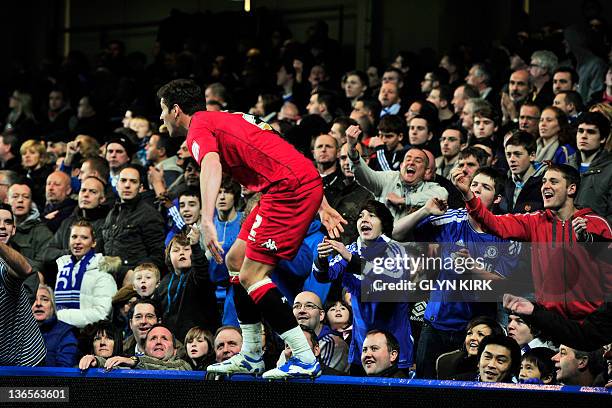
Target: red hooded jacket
column 568, row 278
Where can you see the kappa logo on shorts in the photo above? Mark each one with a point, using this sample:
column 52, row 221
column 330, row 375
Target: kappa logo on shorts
column 270, row 244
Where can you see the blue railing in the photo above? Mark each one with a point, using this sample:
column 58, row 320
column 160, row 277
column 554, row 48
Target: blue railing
column 335, row 380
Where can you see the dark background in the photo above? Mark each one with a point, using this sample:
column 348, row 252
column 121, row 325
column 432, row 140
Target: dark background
column 369, row 31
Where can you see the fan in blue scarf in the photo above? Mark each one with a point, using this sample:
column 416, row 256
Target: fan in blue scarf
column 68, row 285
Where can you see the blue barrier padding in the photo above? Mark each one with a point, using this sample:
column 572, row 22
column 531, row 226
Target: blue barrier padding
column 326, row 379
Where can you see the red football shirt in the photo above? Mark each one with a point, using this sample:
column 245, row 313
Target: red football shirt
column 253, row 154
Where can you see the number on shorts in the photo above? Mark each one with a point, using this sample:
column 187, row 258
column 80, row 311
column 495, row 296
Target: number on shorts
column 256, row 224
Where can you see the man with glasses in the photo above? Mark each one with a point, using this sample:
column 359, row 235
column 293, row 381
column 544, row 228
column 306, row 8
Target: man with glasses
column 541, row 69
column 308, row 311
column 142, row 317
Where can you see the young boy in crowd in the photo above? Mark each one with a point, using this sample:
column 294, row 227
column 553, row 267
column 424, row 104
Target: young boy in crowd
column 525, row 177
column 145, row 279
column 389, row 150
column 537, row 366
column 485, row 124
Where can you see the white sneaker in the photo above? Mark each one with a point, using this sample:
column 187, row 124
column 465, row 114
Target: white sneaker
column 294, row 368
column 238, row 364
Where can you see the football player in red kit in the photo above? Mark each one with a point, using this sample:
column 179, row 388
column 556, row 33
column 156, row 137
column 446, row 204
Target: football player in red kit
column 259, row 159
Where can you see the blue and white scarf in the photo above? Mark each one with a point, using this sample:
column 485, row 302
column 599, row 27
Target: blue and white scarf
column 68, row 285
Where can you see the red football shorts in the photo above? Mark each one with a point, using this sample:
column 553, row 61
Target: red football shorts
column 278, row 224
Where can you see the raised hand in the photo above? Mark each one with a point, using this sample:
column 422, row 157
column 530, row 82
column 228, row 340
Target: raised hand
column 517, row 304
column 193, row 235
column 352, row 135
column 436, row 206
column 332, row 220
column 340, row 249
column 211, row 243
column 462, row 182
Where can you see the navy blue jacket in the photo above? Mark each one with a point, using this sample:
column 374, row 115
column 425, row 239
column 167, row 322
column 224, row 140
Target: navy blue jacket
column 60, row 339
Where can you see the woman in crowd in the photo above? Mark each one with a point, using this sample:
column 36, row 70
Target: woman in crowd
column 555, row 141
column 105, row 341
column 35, row 161
column 83, row 292
column 199, row 349
column 20, row 120
column 463, row 361
column 60, row 338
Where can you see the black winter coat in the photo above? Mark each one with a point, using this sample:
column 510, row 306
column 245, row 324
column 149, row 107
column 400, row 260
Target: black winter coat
column 134, row 231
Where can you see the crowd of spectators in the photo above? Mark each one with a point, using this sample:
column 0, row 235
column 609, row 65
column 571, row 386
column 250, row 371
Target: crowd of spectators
column 100, row 208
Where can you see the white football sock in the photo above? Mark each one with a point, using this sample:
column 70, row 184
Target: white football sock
column 300, row 348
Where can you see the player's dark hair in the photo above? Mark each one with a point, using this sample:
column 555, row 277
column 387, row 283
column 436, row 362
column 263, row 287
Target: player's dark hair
column 185, row 93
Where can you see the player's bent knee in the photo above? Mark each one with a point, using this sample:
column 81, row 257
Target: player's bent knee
column 235, row 256
column 233, row 261
column 253, row 272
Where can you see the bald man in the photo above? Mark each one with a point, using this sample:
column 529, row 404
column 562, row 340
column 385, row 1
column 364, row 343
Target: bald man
column 308, row 311
column 59, row 204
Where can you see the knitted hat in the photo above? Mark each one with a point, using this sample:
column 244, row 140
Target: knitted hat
column 124, row 141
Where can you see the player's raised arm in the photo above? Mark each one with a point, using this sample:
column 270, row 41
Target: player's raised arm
column 210, row 183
